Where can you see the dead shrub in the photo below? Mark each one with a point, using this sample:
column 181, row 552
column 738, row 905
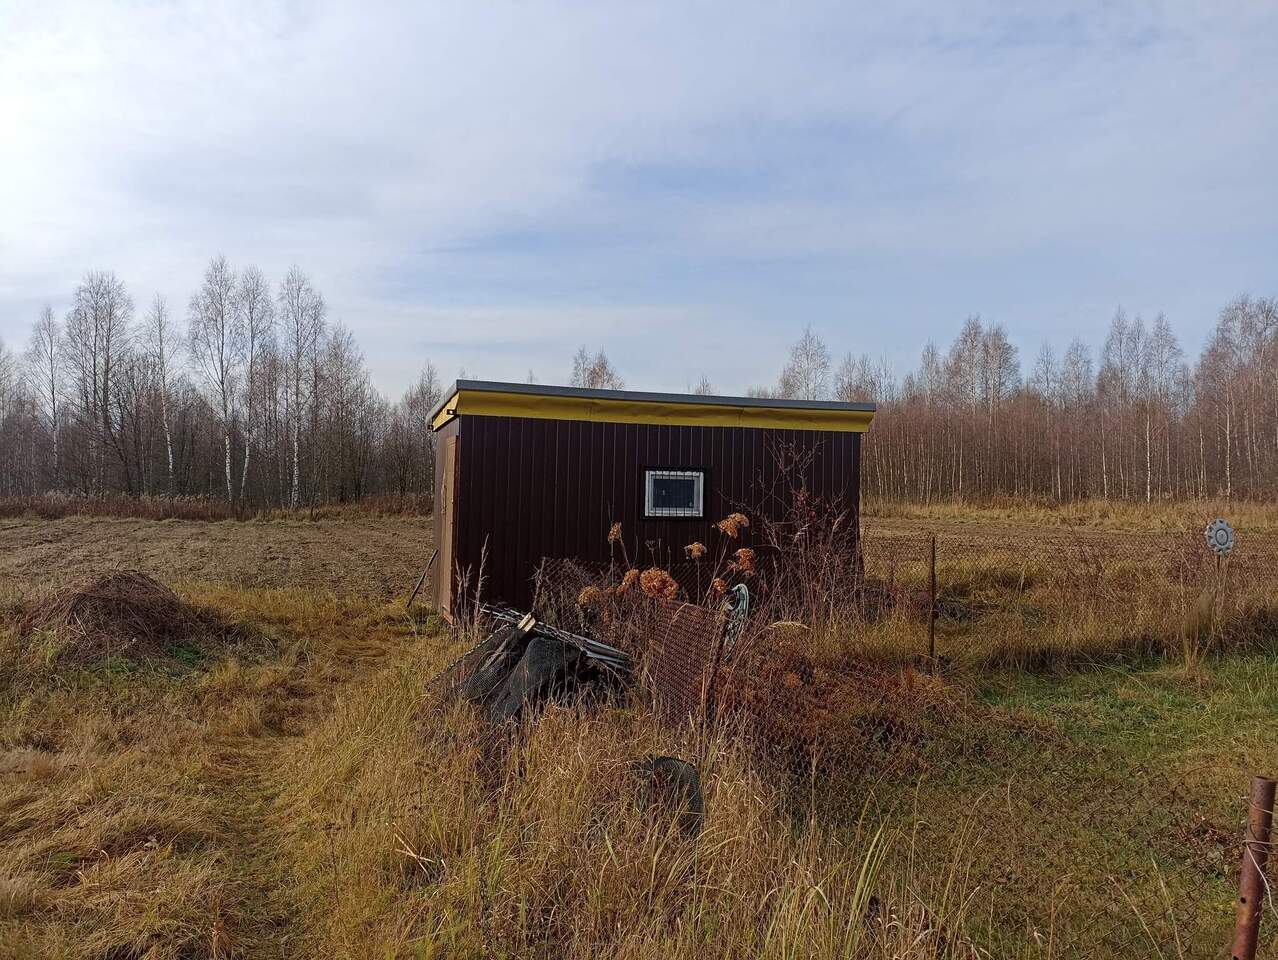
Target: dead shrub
column 656, row 582
column 810, row 716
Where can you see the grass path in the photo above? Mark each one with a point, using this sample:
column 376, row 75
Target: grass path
column 265, row 918
column 160, row 813
column 329, row 644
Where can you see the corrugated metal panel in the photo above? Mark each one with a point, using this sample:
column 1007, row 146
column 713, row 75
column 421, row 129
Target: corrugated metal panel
column 534, row 488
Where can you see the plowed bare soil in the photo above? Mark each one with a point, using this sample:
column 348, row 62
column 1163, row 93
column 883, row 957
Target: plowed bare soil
column 367, row 557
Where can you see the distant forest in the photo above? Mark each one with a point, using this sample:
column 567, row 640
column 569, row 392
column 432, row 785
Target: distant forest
column 1135, row 420
column 253, row 396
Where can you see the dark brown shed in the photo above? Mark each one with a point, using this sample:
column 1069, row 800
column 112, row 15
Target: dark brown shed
column 526, row 472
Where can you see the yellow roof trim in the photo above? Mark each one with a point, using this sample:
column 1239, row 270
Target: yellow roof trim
column 485, row 403
column 446, row 413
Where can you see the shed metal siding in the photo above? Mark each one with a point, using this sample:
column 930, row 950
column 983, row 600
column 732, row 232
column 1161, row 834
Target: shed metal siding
column 531, row 488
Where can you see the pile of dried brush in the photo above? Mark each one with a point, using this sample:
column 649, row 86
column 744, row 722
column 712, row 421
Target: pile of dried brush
column 124, row 614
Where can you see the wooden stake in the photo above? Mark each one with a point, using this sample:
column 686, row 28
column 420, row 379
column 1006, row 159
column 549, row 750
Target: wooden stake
column 422, row 579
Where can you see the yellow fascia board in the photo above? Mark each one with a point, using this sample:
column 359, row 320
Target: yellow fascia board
column 446, row 412
column 484, row 403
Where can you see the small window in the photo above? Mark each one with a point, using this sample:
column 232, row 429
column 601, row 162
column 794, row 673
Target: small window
column 674, row 493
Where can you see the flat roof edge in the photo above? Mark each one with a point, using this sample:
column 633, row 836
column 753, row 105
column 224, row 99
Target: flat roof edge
column 639, row 396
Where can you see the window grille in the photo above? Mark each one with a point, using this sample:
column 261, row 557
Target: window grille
column 674, row 493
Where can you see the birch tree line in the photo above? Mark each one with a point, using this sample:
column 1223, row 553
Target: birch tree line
column 1134, row 420
column 254, row 396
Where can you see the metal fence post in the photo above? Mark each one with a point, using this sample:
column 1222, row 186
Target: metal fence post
column 1251, row 879
column 931, row 607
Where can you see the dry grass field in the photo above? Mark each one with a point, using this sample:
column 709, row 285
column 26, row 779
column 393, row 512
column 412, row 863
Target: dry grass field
column 275, row 779
column 1159, row 515
column 142, row 798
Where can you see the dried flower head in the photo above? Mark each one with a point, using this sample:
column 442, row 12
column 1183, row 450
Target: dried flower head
column 745, row 560
column 732, row 524
column 590, row 597
column 628, row 581
column 695, row 550
column 718, row 586
column 614, row 533
column 658, row 584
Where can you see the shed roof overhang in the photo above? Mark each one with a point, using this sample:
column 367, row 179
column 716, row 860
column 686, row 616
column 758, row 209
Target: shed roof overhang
column 488, row 398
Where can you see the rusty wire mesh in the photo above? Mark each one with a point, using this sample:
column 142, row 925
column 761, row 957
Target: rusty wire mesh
column 1063, row 845
column 673, row 643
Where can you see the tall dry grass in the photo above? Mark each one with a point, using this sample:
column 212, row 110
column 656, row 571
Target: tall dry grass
column 111, row 845
column 1017, row 609
column 318, row 801
column 417, row 829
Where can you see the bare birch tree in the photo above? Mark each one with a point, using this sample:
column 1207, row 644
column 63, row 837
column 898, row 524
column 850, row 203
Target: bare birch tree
column 162, row 344
column 215, row 340
column 256, row 314
column 44, row 372
column 8, row 382
column 806, row 375
column 301, row 316
column 95, row 337
column 595, row 372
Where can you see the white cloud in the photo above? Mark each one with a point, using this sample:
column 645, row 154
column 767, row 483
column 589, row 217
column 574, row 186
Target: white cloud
column 551, row 167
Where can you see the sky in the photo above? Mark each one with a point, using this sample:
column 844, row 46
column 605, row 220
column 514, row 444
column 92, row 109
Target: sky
column 488, row 186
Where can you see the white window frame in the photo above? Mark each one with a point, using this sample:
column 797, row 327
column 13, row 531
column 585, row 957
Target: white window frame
column 695, row 512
